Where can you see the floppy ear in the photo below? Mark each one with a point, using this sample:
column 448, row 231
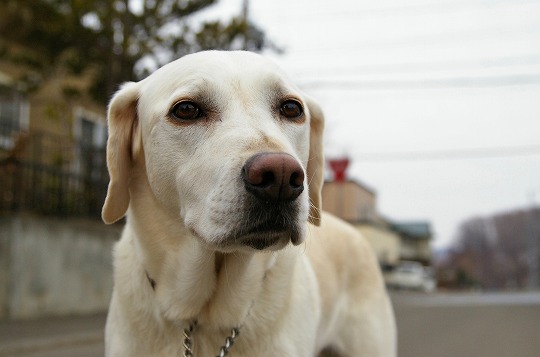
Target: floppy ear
column 122, row 144
column 315, row 167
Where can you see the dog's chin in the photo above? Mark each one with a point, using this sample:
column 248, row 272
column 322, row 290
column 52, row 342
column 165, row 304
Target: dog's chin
column 264, row 237
column 259, row 240
column 275, row 240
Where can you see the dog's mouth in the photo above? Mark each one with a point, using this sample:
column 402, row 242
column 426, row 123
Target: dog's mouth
column 262, row 227
column 261, row 242
column 265, row 235
column 271, row 226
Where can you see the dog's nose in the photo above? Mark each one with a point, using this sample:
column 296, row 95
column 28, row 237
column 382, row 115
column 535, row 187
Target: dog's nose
column 273, row 177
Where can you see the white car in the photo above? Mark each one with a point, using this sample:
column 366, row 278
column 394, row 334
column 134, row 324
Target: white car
column 411, row 276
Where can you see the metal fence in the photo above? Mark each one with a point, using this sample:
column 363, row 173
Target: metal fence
column 52, row 175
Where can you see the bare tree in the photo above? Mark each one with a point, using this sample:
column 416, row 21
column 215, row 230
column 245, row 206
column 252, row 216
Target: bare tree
column 494, row 252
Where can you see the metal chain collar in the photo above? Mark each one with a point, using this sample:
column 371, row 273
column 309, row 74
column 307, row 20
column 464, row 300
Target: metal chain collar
column 223, row 351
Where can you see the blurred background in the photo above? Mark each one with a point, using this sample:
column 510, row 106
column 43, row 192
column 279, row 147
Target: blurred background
column 432, row 143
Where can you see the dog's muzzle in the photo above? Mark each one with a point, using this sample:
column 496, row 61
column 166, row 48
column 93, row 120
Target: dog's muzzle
column 275, row 181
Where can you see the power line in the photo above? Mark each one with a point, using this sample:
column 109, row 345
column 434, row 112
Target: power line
column 522, row 27
column 440, row 6
column 438, row 39
column 429, row 83
column 408, row 67
column 444, row 155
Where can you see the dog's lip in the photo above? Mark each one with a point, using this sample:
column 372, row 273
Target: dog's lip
column 260, row 242
column 264, row 235
column 267, row 227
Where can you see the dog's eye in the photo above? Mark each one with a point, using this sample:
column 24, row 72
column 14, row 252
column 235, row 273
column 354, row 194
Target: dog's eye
column 291, row 109
column 186, row 111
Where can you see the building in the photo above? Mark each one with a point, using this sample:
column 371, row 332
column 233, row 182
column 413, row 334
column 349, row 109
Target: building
column 392, row 242
column 54, row 252
column 52, row 144
column 415, row 239
column 356, row 203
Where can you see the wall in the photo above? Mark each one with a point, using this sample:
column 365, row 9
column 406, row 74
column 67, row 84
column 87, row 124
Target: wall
column 349, row 200
column 53, row 266
column 384, row 242
column 416, row 249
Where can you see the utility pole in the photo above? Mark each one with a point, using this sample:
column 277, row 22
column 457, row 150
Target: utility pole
column 245, row 18
column 245, row 10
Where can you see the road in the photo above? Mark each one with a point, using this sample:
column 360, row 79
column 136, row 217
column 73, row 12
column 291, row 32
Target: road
column 463, row 325
column 436, row 325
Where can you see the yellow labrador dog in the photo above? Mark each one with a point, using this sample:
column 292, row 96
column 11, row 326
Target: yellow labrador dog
column 217, row 160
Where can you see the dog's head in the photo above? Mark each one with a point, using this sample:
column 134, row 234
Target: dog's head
column 229, row 146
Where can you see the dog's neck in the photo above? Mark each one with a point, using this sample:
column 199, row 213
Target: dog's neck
column 218, row 264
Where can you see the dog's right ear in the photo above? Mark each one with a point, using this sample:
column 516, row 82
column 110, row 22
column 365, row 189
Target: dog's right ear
column 122, row 144
column 315, row 167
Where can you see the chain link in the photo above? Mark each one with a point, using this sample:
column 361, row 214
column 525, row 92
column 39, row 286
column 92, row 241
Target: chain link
column 188, row 343
column 229, row 342
column 223, row 351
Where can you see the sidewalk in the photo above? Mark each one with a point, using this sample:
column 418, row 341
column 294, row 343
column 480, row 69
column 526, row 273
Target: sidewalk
column 44, row 336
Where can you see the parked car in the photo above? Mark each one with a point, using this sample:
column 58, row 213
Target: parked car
column 411, row 276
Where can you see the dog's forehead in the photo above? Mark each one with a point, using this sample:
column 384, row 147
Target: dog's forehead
column 225, row 63
column 232, row 69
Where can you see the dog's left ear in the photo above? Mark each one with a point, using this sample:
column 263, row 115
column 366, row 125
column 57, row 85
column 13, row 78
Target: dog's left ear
column 315, row 166
column 123, row 144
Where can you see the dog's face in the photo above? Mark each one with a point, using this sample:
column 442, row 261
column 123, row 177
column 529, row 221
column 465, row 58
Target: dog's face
column 230, row 147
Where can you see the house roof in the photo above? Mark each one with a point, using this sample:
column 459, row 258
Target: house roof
column 414, row 230
column 356, row 182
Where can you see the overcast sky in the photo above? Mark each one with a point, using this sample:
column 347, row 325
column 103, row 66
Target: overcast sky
column 436, row 102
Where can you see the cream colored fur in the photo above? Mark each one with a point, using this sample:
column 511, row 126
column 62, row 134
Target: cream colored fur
column 179, row 184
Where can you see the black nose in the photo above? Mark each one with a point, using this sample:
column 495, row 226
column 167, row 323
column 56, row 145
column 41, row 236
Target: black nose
column 273, row 177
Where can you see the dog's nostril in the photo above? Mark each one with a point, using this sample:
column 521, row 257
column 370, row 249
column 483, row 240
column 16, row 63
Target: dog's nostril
column 297, row 179
column 257, row 177
column 268, row 178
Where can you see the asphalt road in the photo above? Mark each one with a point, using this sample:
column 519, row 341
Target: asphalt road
column 437, row 325
column 462, row 325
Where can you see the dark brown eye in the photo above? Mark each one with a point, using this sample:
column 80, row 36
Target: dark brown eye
column 291, row 109
column 186, row 111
